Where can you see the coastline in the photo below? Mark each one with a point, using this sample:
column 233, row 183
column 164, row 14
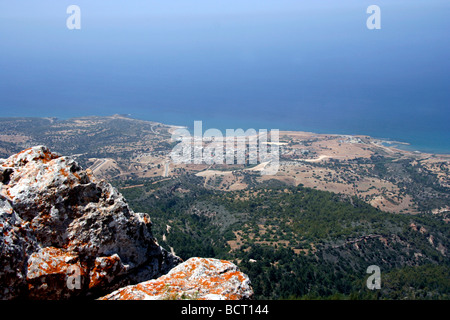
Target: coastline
column 404, row 146
column 398, row 143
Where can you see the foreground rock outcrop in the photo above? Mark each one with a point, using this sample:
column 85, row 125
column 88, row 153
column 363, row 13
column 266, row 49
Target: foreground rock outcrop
column 197, row 278
column 64, row 234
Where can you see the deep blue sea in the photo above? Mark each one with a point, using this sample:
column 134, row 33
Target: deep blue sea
column 288, row 65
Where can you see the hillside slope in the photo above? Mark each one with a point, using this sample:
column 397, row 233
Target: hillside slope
column 297, row 241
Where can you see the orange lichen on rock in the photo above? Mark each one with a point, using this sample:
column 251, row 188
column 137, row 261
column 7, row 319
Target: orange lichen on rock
column 30, row 154
column 63, row 172
column 50, row 260
column 197, row 278
column 49, row 270
column 105, row 269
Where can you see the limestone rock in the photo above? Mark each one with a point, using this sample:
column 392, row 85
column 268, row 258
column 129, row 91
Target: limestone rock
column 197, row 278
column 59, row 224
column 16, row 243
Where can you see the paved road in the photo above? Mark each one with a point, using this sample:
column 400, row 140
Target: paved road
column 97, row 164
column 166, row 169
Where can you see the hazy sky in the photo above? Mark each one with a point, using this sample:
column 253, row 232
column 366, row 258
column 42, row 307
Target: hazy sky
column 289, row 59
